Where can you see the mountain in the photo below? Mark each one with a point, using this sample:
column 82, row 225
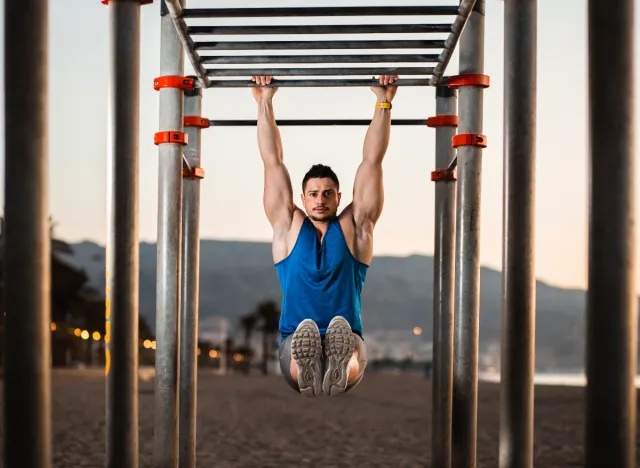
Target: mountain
column 235, row 276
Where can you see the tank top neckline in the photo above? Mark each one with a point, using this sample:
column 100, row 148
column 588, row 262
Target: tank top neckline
column 319, row 246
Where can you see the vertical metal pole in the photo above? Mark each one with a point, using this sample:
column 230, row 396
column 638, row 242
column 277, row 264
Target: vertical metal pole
column 518, row 273
column 465, row 380
column 27, row 262
column 190, row 284
column 611, row 301
column 168, row 254
column 122, row 250
column 443, row 285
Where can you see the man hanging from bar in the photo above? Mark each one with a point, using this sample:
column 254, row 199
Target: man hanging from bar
column 322, row 258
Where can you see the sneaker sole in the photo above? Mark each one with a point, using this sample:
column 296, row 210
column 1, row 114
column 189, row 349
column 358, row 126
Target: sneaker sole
column 306, row 350
column 339, row 346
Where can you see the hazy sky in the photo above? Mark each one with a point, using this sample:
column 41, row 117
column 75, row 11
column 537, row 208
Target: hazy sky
column 232, row 190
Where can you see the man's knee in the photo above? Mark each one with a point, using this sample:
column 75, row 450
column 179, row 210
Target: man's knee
column 284, row 354
column 361, row 353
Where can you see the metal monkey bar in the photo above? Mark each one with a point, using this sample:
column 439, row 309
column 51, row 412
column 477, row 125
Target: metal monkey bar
column 459, row 14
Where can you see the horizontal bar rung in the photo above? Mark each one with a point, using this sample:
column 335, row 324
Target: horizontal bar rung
column 316, row 122
column 322, row 29
column 354, row 71
column 320, row 11
column 304, row 83
column 319, row 45
column 275, row 59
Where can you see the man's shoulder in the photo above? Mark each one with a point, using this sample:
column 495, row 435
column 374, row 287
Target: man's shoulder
column 349, row 220
column 346, row 220
column 285, row 238
column 347, row 214
column 293, row 222
column 290, row 232
column 299, row 217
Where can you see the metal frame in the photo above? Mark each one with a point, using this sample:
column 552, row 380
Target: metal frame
column 467, row 281
column 319, row 83
column 27, row 247
column 168, row 284
column 122, row 253
column 354, row 71
column 173, row 10
column 321, row 29
column 612, row 306
column 298, row 59
column 518, row 278
column 443, row 286
column 190, row 286
column 320, row 11
column 316, row 123
column 433, row 76
column 318, row 45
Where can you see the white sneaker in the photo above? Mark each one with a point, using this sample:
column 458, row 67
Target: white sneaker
column 339, row 345
column 306, row 351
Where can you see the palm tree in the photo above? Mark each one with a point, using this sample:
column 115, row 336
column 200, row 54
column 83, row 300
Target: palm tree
column 269, row 314
column 249, row 323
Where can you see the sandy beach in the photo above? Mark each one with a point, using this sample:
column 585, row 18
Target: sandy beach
column 258, row 421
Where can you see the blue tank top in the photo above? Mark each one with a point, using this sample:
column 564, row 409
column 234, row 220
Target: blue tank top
column 320, row 280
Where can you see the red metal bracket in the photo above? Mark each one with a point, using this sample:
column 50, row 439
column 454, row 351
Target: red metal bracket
column 142, row 2
column 443, row 176
column 196, row 121
column 443, row 121
column 196, row 173
column 470, row 79
column 179, row 82
column 170, row 137
column 469, row 139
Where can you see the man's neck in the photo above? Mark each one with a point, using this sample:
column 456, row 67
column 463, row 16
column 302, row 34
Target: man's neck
column 321, row 226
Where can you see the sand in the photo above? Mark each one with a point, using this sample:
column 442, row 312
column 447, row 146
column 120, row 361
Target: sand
column 258, row 421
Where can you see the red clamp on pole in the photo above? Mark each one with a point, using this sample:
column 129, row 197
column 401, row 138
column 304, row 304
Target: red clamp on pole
column 443, row 176
column 195, row 173
column 142, row 2
column 470, row 79
column 443, row 121
column 196, row 121
column 469, row 139
column 170, row 137
column 179, row 82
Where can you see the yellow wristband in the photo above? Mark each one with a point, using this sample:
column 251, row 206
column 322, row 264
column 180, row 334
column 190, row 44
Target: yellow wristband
column 383, row 105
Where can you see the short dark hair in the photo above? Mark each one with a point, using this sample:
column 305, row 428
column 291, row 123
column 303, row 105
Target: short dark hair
column 319, row 171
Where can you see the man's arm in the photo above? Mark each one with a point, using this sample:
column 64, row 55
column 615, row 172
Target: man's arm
column 368, row 189
column 278, row 193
